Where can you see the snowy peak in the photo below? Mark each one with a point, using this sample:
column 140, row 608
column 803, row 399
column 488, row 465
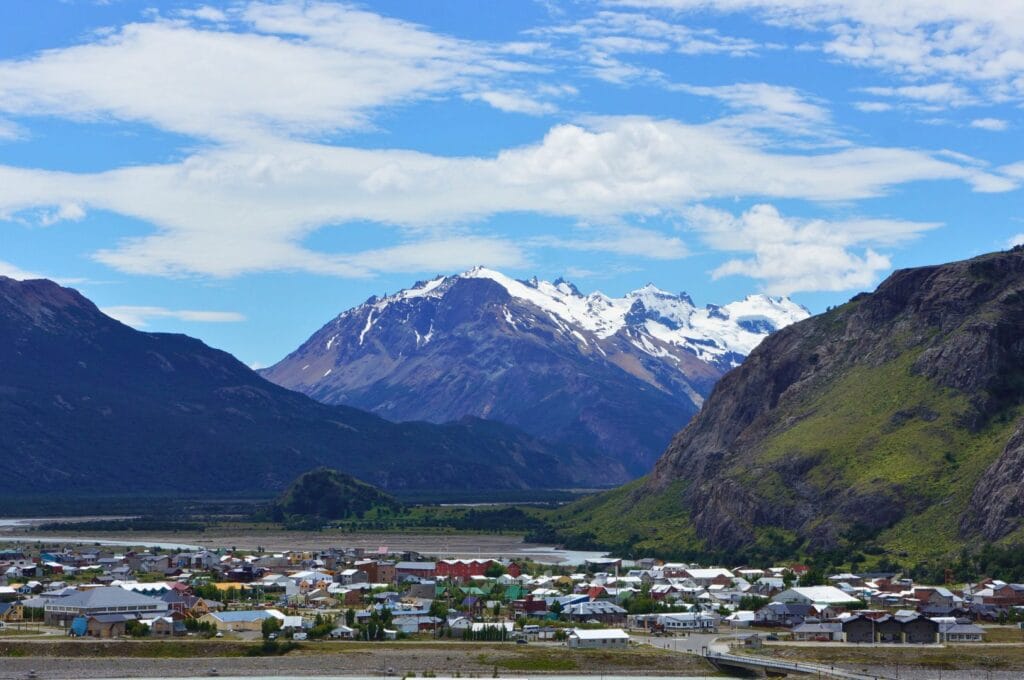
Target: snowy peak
column 536, row 355
column 652, row 318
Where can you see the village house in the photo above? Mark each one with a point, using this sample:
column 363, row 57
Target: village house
column 596, row 611
column 101, row 625
column 172, row 625
column 819, row 596
column 462, row 570
column 241, row 621
column 785, row 614
column 347, row 577
column 11, row 612
column 598, row 639
column 871, row 627
column 424, row 571
column 379, row 571
column 818, row 632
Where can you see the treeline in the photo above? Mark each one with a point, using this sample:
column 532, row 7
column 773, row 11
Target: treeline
column 131, row 524
column 1003, row 562
column 487, row 520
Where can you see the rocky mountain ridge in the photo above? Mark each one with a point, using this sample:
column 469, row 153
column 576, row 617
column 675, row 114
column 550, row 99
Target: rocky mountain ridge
column 892, row 422
column 89, row 405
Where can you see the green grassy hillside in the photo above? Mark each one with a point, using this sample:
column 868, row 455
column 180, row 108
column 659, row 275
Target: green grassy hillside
column 886, row 429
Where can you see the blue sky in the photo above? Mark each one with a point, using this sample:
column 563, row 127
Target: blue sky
column 243, row 171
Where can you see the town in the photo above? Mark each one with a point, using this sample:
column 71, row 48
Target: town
column 94, row 592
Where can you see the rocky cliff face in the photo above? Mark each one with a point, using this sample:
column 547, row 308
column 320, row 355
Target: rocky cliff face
column 614, row 376
column 90, row 405
column 891, row 420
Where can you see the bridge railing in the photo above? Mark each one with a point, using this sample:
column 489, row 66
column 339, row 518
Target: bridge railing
column 790, row 666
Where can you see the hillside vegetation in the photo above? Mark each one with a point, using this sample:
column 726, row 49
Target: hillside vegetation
column 889, row 426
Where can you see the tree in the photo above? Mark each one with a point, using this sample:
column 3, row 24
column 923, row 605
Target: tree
column 270, row 626
column 136, row 629
column 556, row 608
column 495, row 570
column 813, row 577
column 350, row 617
column 322, row 626
column 753, row 602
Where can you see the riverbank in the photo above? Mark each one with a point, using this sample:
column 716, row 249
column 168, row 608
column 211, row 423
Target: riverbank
column 273, row 539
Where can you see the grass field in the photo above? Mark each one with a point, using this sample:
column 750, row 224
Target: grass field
column 951, row 657
column 1004, row 634
column 355, row 656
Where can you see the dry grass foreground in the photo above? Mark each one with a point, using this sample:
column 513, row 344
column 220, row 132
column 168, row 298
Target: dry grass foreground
column 951, row 657
column 403, row 658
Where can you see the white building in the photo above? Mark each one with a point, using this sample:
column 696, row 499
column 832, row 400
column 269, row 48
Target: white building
column 819, row 596
column 598, row 639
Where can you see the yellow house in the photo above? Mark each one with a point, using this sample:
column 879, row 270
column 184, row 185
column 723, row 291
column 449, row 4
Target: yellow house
column 237, row 622
column 11, row 611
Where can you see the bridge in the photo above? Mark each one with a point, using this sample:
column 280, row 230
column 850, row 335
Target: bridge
column 750, row 665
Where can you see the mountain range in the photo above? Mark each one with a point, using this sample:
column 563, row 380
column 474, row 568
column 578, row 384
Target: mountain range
column 89, row 405
column 890, row 424
column 613, row 376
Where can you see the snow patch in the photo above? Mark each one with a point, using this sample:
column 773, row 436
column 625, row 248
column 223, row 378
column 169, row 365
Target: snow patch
column 367, row 327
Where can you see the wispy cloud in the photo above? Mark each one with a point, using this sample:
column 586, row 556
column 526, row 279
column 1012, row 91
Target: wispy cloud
column 979, row 45
column 991, row 124
column 620, row 240
column 604, row 44
column 140, row 316
column 513, row 102
column 284, row 68
column 13, row 271
column 266, row 200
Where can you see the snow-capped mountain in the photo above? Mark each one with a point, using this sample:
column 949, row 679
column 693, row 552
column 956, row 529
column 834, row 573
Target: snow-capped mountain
column 615, row 375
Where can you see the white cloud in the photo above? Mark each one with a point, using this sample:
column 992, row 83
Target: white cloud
column 140, row 316
column 205, row 13
column 993, row 124
column 226, row 211
column 10, row 131
column 763, row 106
column 621, row 240
column 15, row 272
column 602, row 42
column 1015, row 240
column 934, row 95
column 66, row 212
column 978, row 44
column 287, row 67
column 873, row 107
column 790, row 255
column 1015, row 170
column 440, row 254
column 513, row 102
